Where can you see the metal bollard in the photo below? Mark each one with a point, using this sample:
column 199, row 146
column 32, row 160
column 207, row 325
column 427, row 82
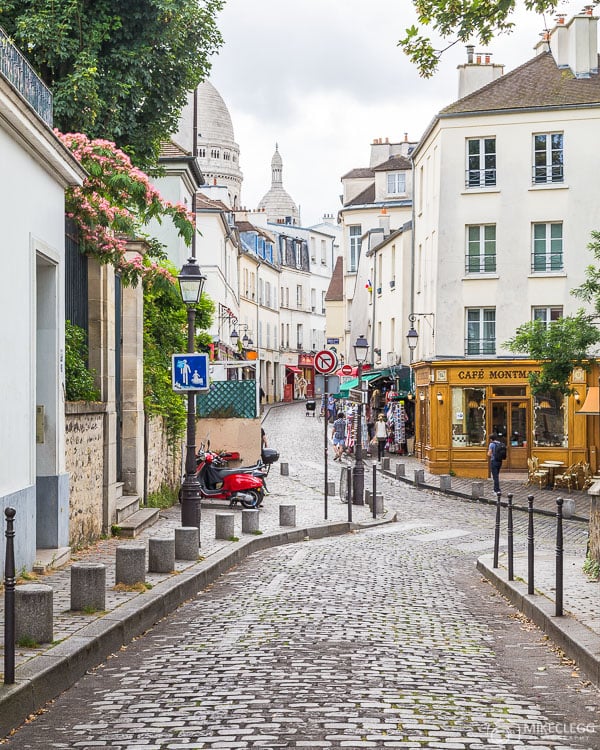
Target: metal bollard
column 9, row 598
column 530, row 567
column 374, row 503
column 349, row 493
column 497, row 530
column 558, row 610
column 511, row 568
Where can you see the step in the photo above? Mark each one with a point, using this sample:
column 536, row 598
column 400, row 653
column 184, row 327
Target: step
column 119, row 489
column 137, row 522
column 50, row 559
column 126, row 506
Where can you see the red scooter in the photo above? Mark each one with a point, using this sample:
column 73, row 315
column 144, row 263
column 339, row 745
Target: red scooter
column 236, row 485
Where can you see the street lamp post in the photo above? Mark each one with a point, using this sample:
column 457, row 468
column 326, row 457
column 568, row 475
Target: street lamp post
column 361, row 350
column 191, row 283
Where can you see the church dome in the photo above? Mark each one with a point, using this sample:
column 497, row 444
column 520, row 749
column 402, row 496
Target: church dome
column 277, row 203
column 214, row 120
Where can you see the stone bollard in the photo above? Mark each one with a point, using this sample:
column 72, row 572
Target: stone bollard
column 378, row 505
column 400, row 471
column 445, row 482
column 187, row 542
column 161, row 554
column 368, row 497
column 130, row 564
column 477, row 490
column 419, row 477
column 568, row 508
column 385, row 463
column 331, row 488
column 285, row 469
column 250, row 521
column 224, row 525
column 88, row 586
column 287, row 515
column 33, row 613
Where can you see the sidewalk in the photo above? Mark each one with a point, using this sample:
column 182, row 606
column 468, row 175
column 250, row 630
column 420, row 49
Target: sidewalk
column 82, row 641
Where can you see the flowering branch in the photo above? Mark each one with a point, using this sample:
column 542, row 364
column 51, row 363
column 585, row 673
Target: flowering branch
column 115, row 202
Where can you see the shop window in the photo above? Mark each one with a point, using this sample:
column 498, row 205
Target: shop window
column 550, row 420
column 468, row 417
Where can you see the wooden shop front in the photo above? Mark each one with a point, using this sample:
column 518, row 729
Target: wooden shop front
column 459, row 404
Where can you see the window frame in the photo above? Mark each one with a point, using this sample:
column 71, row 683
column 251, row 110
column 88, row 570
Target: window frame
column 552, row 313
column 484, row 174
column 553, row 260
column 399, row 183
column 477, row 346
column 486, row 262
column 545, row 170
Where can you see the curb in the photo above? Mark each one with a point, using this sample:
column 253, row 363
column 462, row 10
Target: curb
column 44, row 677
column 470, row 498
column 576, row 640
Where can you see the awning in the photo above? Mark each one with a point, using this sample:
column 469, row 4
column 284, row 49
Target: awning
column 345, row 387
column 291, row 368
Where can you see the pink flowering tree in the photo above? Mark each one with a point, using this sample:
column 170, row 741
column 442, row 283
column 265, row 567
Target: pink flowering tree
column 115, row 204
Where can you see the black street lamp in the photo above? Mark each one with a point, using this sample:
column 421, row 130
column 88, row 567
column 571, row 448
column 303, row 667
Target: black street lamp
column 361, row 350
column 191, row 283
column 412, row 339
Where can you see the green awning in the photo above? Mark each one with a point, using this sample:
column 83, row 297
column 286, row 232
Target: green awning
column 368, row 376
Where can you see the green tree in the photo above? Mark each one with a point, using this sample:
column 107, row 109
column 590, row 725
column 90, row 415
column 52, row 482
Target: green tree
column 463, row 21
column 118, row 69
column 560, row 347
column 165, row 333
column 79, row 380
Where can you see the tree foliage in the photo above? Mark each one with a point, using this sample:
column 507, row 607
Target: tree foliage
column 118, row 69
column 460, row 21
column 560, row 347
column 79, row 380
column 165, row 333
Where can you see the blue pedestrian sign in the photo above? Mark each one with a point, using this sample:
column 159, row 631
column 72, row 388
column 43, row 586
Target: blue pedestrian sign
column 190, row 372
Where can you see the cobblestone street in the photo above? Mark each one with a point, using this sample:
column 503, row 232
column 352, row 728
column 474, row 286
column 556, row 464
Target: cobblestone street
column 383, row 638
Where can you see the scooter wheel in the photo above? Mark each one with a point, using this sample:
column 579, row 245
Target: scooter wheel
column 255, row 502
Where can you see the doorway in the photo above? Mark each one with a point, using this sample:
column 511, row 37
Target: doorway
column 509, row 422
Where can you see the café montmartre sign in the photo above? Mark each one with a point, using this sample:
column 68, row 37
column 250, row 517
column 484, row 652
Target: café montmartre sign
column 481, row 374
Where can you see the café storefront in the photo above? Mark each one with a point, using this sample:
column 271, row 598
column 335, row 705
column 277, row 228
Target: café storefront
column 459, row 404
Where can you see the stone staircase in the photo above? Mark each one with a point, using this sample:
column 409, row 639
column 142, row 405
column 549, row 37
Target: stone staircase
column 131, row 519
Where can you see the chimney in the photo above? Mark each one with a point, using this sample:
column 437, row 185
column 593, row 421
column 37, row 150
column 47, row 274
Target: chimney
column 574, row 45
column 384, row 222
column 474, row 75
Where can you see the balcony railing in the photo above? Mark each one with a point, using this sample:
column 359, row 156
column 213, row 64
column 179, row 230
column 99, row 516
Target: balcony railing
column 19, row 73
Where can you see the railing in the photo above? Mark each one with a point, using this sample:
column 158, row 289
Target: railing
column 480, row 263
column 19, row 73
column 547, row 173
column 480, row 178
column 480, row 346
column 546, row 262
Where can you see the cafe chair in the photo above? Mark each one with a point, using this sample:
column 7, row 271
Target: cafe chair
column 585, row 477
column 535, row 475
column 568, row 478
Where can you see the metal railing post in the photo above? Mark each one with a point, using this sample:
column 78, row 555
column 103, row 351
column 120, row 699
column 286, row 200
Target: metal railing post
column 9, row 599
column 530, row 546
column 374, row 506
column 511, row 569
column 497, row 530
column 558, row 611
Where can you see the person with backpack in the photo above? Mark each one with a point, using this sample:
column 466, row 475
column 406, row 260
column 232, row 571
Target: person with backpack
column 496, row 454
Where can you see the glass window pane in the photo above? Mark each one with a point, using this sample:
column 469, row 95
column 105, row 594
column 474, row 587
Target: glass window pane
column 473, row 146
column 489, row 145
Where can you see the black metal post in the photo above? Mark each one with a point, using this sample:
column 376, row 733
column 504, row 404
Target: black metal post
column 530, row 566
column 511, row 570
column 358, row 479
column 558, row 611
column 497, row 530
column 9, row 599
column 190, row 489
column 348, row 491
column 325, row 443
column 374, row 490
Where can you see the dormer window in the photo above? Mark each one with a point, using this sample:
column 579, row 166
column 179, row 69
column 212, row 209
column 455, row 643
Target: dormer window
column 396, row 183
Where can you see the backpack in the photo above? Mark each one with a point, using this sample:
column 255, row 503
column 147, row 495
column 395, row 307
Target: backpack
column 500, row 451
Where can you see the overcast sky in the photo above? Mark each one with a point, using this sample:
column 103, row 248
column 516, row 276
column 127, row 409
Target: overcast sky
column 323, row 78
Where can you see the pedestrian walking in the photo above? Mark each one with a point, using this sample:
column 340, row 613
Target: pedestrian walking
column 381, row 435
column 338, row 435
column 495, row 454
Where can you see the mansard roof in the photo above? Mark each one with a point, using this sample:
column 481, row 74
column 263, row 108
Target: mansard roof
column 393, row 163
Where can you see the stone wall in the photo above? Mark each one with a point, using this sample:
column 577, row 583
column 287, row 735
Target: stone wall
column 84, row 448
column 164, row 465
column 594, row 528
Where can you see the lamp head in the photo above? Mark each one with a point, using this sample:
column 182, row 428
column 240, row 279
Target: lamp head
column 191, row 282
column 361, row 349
column 412, row 338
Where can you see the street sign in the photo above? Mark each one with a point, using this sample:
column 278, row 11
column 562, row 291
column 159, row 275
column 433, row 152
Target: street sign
column 333, row 384
column 332, row 341
column 346, row 369
column 189, row 372
column 325, row 361
column 358, row 396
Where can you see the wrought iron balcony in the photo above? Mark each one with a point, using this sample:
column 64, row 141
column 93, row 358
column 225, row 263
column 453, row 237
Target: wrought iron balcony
column 19, row 73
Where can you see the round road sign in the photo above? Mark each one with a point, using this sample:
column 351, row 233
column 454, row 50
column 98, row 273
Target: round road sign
column 346, row 369
column 325, row 362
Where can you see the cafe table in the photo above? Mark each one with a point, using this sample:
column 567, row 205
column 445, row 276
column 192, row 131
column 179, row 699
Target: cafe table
column 552, row 466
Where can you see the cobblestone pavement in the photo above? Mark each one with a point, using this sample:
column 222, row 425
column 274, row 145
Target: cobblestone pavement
column 386, row 637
